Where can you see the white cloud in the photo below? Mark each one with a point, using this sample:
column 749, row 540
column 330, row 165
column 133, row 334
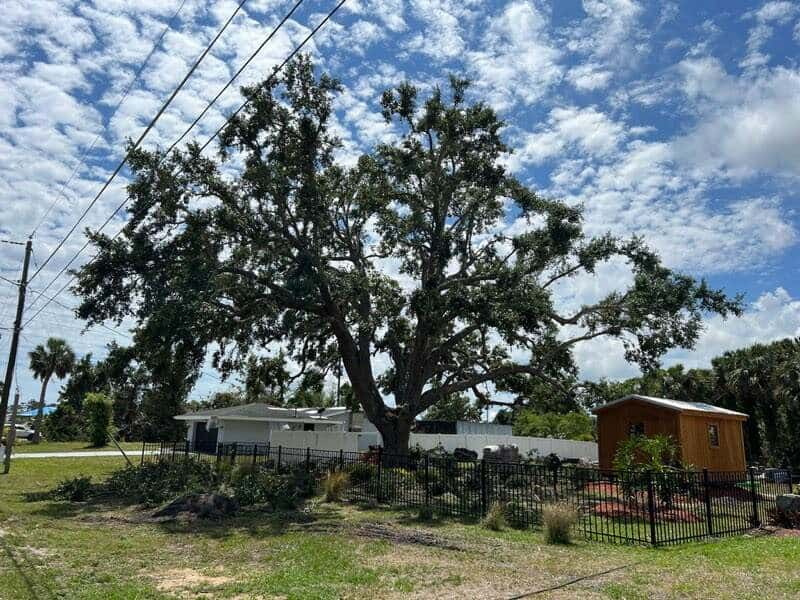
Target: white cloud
column 747, row 125
column 773, row 316
column 587, row 130
column 517, row 59
column 589, row 77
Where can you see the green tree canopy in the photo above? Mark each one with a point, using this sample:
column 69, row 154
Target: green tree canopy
column 456, row 407
column 399, row 258
column 567, row 426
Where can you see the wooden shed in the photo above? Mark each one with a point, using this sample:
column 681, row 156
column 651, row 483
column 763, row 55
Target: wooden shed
column 708, row 436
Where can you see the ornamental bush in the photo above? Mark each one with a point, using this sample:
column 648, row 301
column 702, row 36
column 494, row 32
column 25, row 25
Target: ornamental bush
column 97, row 412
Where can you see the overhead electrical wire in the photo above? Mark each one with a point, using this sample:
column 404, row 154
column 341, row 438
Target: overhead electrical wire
column 82, row 158
column 275, row 71
column 139, row 140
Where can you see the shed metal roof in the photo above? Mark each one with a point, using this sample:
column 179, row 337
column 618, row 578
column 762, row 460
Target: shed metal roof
column 677, row 405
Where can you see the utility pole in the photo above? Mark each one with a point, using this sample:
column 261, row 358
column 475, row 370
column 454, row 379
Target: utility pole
column 12, row 355
column 12, row 434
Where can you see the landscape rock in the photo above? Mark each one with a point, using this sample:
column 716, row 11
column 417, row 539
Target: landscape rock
column 789, row 503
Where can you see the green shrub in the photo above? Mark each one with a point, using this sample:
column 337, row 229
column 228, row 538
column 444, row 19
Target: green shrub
column 76, row 489
column 516, row 480
column 362, row 472
column 281, row 490
column 559, row 520
column 784, row 518
column 97, row 411
column 425, row 514
column 63, row 425
column 334, row 485
column 495, row 519
column 155, row 483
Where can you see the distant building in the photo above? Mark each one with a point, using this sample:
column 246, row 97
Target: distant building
column 461, row 427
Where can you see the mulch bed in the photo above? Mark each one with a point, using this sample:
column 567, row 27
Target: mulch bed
column 619, row 510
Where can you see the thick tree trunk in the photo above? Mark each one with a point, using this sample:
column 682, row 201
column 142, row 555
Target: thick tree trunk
column 396, row 432
column 37, row 424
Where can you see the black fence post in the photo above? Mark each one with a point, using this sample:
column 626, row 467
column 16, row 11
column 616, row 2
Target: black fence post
column 234, row 452
column 144, row 445
column 789, row 480
column 219, row 452
column 341, row 459
column 255, row 453
column 707, row 497
column 651, row 508
column 186, row 451
column 756, row 520
column 308, row 458
column 427, row 483
column 280, row 449
column 174, row 444
column 380, row 466
column 484, row 508
column 266, row 460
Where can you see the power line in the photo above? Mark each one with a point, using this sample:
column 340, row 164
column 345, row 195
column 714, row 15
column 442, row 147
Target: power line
column 125, row 93
column 140, row 139
column 275, row 71
column 235, row 75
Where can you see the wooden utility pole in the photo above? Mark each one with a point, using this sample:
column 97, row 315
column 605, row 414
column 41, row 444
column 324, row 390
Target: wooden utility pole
column 12, row 435
column 12, row 355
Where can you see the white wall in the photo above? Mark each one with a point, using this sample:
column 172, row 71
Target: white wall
column 543, row 446
column 324, row 440
column 353, row 442
column 243, row 431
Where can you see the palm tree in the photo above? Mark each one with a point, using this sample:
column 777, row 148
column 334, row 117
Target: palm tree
column 54, row 358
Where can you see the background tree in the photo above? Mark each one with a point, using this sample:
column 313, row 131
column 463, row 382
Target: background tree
column 55, row 357
column 568, row 426
column 295, row 249
column 266, row 379
column 456, row 407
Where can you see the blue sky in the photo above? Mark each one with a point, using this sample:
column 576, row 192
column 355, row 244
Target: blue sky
column 677, row 121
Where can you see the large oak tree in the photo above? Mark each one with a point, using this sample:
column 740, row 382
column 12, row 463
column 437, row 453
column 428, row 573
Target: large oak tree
column 401, row 264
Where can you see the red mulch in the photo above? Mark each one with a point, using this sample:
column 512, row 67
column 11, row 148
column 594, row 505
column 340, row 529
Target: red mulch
column 616, row 510
column 782, row 532
column 603, row 489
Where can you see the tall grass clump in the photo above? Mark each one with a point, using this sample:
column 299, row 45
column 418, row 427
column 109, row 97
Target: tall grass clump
column 334, row 486
column 495, row 518
column 559, row 520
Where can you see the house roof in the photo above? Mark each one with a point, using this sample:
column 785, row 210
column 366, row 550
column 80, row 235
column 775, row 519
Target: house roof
column 676, row 405
column 263, row 412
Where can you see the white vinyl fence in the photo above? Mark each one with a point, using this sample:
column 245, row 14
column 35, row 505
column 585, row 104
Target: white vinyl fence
column 354, row 442
column 540, row 446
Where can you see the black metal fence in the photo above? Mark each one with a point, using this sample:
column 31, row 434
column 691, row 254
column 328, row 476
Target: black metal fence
column 623, row 506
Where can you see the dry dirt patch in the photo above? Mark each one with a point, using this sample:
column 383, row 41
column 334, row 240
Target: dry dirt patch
column 176, row 580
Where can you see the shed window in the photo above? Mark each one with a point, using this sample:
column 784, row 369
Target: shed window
column 713, row 435
column 636, row 428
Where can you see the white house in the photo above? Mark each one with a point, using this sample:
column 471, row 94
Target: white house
column 255, row 423
column 337, row 428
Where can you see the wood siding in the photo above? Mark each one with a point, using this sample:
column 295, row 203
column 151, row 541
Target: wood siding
column 614, row 423
column 697, row 449
column 690, row 430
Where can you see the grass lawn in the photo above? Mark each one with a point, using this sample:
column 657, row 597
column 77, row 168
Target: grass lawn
column 51, row 549
column 27, row 447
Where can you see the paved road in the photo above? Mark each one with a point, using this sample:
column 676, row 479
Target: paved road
column 80, row 454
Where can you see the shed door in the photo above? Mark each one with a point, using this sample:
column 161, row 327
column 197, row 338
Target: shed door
column 205, row 440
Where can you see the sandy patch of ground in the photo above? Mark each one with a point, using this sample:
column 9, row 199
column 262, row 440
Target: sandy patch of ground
column 176, row 580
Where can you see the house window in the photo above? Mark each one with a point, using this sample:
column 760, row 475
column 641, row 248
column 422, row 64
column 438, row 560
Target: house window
column 308, row 427
column 636, row 428
column 713, row 435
